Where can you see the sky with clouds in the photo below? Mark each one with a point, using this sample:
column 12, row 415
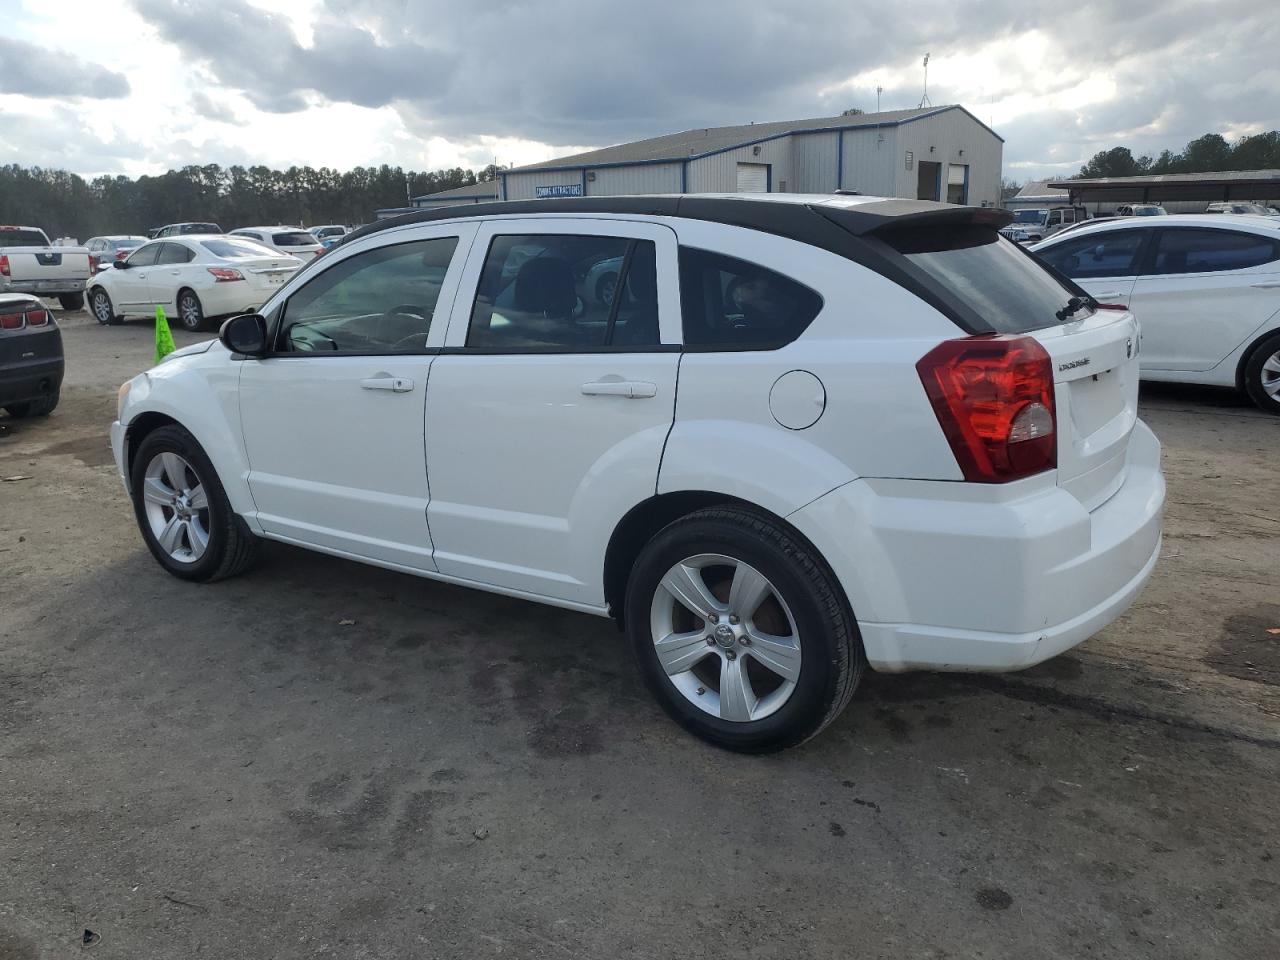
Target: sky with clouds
column 140, row 86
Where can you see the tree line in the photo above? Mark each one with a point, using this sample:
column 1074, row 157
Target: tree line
column 66, row 205
column 1211, row 152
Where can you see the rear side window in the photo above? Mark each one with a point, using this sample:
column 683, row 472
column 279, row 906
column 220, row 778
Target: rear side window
column 1207, row 251
column 1113, row 254
column 566, row 293
column 1006, row 287
column 732, row 304
column 293, row 239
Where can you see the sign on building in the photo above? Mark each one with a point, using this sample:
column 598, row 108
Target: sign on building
column 911, row 158
column 560, row 190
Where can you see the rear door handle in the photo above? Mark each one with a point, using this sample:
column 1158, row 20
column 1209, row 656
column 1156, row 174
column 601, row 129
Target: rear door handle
column 1266, row 285
column 394, row 384
column 633, row 389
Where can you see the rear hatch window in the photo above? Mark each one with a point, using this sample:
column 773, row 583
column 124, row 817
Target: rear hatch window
column 199, row 228
column 989, row 274
column 293, row 239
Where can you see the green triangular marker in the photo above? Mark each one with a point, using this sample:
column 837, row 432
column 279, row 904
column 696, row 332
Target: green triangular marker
column 164, row 336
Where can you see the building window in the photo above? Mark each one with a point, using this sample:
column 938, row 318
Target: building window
column 958, row 183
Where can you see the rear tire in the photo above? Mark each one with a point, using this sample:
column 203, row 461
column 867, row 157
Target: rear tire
column 71, row 301
column 183, row 512
column 1262, row 375
column 803, row 622
column 190, row 312
column 40, row 407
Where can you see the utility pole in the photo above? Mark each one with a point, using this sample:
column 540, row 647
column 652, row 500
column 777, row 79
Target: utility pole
column 924, row 100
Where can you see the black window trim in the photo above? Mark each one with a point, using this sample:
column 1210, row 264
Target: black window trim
column 559, row 350
column 275, row 323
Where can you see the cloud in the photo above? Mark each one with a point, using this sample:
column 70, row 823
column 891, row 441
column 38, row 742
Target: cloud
column 216, row 110
column 35, row 71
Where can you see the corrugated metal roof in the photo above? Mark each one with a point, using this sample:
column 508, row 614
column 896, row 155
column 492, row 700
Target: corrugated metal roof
column 1158, row 179
column 702, row 141
column 484, row 189
column 1038, row 188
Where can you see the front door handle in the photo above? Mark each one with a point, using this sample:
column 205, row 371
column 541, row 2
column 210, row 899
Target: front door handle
column 1109, row 295
column 1266, row 285
column 632, row 389
column 394, row 384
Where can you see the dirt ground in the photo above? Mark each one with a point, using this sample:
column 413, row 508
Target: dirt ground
column 322, row 759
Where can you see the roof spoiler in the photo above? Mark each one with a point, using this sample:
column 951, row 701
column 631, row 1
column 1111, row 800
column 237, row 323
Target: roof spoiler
column 911, row 214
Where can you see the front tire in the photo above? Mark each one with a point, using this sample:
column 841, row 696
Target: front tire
column 103, row 311
column 1262, row 375
column 183, row 511
column 190, row 312
column 71, row 301
column 741, row 631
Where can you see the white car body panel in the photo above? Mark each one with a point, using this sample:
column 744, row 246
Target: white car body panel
column 1196, row 327
column 496, row 471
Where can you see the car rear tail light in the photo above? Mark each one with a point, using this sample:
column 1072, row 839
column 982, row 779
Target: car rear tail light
column 121, row 254
column 37, row 318
column 993, row 396
column 10, row 321
column 4, row 265
column 225, row 274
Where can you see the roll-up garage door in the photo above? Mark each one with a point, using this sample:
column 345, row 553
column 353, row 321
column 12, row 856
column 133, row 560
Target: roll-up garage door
column 753, row 178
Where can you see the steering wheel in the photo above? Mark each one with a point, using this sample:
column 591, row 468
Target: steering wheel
column 417, row 339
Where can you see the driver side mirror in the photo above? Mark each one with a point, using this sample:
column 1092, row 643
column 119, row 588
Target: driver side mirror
column 246, row 334
column 120, row 264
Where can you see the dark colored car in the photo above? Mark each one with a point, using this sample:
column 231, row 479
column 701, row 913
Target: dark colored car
column 31, row 362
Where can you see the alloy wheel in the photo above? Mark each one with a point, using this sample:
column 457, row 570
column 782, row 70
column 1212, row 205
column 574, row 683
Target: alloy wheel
column 177, row 507
column 1270, row 376
column 725, row 637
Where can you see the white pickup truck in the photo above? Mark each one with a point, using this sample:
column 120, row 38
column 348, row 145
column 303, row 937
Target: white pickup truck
column 30, row 264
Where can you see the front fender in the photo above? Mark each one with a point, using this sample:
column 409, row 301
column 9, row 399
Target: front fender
column 203, row 397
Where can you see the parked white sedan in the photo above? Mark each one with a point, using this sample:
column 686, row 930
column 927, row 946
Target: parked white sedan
column 291, row 240
column 793, row 444
column 1206, row 290
column 193, row 277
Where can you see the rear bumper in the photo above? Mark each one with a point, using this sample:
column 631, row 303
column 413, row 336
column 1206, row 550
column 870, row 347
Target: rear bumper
column 947, row 576
column 42, row 287
column 30, row 380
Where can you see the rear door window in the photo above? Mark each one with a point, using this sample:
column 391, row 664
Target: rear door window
column 1116, row 253
column 1007, row 288
column 567, row 293
column 732, row 304
column 1210, row 251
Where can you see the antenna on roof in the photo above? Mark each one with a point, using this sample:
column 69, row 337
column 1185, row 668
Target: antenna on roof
column 924, row 100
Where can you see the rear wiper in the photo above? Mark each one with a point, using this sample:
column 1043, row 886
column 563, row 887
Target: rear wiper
column 1074, row 305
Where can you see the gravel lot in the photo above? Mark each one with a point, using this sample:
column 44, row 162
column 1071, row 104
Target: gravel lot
column 325, row 759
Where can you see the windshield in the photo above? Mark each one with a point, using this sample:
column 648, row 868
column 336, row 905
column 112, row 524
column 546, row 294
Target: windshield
column 1148, row 211
column 199, row 228
column 1028, row 216
column 991, row 275
column 238, row 249
column 128, row 243
column 23, row 238
column 293, row 239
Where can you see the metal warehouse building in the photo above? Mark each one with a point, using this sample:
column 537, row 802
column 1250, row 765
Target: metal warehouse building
column 935, row 153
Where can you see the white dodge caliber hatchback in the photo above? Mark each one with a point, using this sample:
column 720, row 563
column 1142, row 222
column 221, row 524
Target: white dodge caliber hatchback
column 803, row 435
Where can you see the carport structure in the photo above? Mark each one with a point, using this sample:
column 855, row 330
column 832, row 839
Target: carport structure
column 1257, row 185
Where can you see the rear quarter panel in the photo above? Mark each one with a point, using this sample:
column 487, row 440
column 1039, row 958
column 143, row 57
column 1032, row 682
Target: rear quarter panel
column 863, row 346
